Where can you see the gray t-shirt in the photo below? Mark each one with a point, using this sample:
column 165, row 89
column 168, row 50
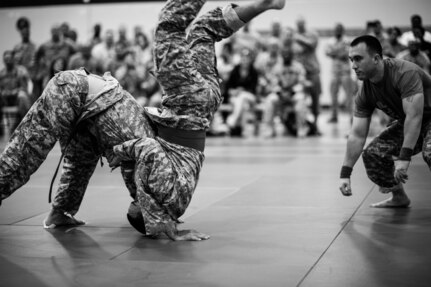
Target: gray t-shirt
column 401, row 79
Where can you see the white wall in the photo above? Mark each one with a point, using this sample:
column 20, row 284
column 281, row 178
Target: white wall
column 320, row 14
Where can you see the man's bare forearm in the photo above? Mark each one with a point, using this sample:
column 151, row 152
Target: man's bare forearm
column 412, row 128
column 355, row 144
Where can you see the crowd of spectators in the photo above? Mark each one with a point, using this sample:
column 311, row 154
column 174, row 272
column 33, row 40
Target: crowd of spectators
column 269, row 79
column 28, row 67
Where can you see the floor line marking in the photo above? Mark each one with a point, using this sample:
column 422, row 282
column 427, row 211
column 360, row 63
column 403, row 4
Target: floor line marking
column 335, row 238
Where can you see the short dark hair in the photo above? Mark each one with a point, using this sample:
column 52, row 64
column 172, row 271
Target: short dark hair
column 416, row 18
column 396, row 29
column 22, row 23
column 372, row 43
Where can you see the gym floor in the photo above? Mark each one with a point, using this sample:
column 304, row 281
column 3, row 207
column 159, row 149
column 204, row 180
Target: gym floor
column 271, row 206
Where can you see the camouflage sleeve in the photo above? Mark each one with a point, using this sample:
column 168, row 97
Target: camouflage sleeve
column 128, row 172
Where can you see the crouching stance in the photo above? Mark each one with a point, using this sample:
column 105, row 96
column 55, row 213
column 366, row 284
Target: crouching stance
column 402, row 90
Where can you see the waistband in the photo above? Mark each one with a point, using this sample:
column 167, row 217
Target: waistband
column 186, row 138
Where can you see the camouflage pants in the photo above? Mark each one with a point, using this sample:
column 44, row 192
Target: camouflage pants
column 378, row 154
column 51, row 119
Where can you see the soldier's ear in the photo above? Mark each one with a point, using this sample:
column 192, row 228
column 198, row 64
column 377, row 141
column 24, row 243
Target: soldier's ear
column 377, row 58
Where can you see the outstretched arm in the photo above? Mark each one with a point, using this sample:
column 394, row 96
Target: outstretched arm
column 355, row 145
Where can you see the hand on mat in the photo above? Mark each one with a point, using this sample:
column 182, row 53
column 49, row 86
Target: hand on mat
column 345, row 187
column 401, row 167
column 186, row 235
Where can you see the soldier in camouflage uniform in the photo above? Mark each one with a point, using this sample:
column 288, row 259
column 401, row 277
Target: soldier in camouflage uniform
column 185, row 68
column 166, row 167
column 88, row 115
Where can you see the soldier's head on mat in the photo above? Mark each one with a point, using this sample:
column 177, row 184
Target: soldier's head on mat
column 134, row 215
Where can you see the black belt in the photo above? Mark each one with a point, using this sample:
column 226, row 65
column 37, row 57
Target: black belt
column 188, row 138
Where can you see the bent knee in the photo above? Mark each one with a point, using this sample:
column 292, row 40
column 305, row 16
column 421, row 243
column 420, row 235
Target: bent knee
column 368, row 155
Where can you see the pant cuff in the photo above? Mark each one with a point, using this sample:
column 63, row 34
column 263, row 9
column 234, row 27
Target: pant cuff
column 231, row 18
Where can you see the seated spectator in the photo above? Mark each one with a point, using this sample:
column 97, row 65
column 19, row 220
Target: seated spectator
column 375, row 29
column 142, row 59
column 225, row 65
column 416, row 21
column 14, row 98
column 56, row 47
column 119, row 59
column 414, row 55
column 393, row 47
column 241, row 92
column 70, row 36
column 269, row 61
column 124, row 70
column 123, row 41
column 142, row 51
column 379, row 32
column 225, row 61
column 245, row 38
column 83, row 59
column 286, row 98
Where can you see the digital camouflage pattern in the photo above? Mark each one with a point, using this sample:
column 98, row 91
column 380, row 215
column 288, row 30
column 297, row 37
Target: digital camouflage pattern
column 103, row 128
column 185, row 69
column 185, row 65
column 378, row 156
column 162, row 176
column 64, row 105
column 166, row 176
